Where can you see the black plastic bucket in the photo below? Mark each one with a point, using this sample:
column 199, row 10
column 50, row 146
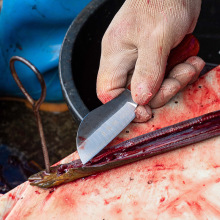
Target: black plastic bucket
column 81, row 49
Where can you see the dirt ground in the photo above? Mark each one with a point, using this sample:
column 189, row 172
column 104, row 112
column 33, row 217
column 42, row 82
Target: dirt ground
column 18, row 130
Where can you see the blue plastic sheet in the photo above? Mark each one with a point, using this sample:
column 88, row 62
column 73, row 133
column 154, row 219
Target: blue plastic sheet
column 34, row 29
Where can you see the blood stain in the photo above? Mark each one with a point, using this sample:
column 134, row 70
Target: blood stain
column 106, row 202
column 171, row 177
column 115, row 198
column 81, row 138
column 12, row 196
column 218, row 180
column 162, row 199
column 119, row 211
column 82, row 147
column 50, row 194
column 195, row 206
column 135, row 203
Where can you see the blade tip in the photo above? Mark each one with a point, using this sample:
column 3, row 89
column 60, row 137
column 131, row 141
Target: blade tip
column 84, row 159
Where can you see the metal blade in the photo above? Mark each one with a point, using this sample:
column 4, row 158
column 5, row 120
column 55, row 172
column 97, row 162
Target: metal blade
column 103, row 124
column 207, row 68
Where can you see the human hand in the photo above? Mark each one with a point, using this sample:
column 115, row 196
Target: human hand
column 136, row 46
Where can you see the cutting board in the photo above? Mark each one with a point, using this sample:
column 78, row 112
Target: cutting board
column 182, row 184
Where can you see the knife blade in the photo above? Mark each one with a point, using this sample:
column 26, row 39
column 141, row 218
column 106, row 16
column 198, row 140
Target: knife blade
column 103, row 124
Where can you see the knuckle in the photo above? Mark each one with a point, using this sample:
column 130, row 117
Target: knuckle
column 190, row 70
column 183, row 69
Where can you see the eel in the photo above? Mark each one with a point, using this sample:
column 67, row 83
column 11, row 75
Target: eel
column 157, row 142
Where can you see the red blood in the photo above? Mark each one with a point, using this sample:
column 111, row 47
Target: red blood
column 62, row 169
column 5, row 216
column 218, row 180
column 82, row 147
column 195, row 96
column 172, row 203
column 37, row 192
column 135, row 203
column 104, row 98
column 162, row 199
column 27, row 214
column 171, row 178
column 195, row 207
column 118, row 211
column 106, row 185
column 115, row 198
column 51, row 191
column 12, row 196
column 68, row 200
column 7, row 213
column 160, row 167
column 81, row 138
column 106, row 202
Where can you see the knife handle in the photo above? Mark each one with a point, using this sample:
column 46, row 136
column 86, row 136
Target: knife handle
column 188, row 47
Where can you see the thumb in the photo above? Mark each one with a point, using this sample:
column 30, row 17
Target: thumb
column 149, row 71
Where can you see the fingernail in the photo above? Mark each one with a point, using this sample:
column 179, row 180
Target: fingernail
column 148, row 109
column 142, row 114
column 137, row 114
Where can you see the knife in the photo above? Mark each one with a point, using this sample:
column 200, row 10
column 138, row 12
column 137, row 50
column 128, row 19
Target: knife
column 104, row 123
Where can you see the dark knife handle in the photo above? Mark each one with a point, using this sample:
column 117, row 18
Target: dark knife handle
column 188, row 47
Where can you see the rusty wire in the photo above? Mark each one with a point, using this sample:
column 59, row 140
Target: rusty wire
column 35, row 104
